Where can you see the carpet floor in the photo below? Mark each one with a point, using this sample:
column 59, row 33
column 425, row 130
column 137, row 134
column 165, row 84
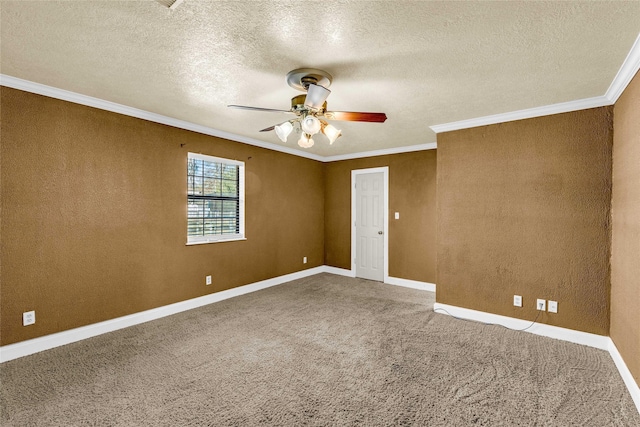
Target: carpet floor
column 324, row 350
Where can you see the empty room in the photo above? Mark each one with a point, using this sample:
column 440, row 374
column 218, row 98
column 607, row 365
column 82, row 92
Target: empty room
column 285, row 213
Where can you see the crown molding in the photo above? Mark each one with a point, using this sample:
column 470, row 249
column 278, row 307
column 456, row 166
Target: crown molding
column 546, row 110
column 627, row 71
column 77, row 98
column 629, row 68
column 383, row 152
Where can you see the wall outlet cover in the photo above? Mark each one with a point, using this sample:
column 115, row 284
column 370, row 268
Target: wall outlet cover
column 28, row 318
column 208, row 280
column 553, row 306
column 541, row 304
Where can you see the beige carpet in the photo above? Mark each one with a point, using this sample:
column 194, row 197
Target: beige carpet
column 325, row 350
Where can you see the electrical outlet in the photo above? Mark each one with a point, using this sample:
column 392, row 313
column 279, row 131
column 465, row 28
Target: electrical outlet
column 517, row 300
column 304, row 260
column 28, row 318
column 208, row 280
column 541, row 304
column 553, row 306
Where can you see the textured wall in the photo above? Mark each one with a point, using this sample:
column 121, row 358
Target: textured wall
column 523, row 208
column 625, row 237
column 412, row 193
column 94, row 216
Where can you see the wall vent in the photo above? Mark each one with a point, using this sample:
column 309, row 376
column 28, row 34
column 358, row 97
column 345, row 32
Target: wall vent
column 171, row 4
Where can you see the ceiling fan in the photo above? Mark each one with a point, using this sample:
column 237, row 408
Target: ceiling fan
column 311, row 109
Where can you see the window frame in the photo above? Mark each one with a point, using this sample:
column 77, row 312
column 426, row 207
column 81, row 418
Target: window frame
column 216, row 238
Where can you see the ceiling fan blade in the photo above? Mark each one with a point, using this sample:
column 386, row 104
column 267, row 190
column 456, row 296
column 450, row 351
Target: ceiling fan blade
column 316, row 95
column 270, row 128
column 352, row 116
column 244, row 107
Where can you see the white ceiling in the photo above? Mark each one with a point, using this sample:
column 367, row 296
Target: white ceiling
column 422, row 63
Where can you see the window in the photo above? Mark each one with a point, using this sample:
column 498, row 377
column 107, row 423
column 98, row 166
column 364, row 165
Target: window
column 215, row 199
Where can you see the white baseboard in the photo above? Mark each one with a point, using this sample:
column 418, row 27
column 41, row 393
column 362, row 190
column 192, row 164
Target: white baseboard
column 625, row 373
column 397, row 281
column 578, row 337
column 339, row 271
column 414, row 284
column 36, row 345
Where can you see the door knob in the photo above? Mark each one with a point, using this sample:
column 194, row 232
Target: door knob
column 380, row 232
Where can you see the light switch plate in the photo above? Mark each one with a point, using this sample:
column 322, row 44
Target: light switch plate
column 517, row 300
column 553, row 306
column 397, row 215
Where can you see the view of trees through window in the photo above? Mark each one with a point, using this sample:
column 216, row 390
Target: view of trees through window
column 213, row 198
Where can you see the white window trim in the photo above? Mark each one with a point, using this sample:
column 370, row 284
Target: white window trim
column 200, row 240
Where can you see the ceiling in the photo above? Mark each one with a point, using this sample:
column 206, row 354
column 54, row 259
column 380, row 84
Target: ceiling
column 422, row 63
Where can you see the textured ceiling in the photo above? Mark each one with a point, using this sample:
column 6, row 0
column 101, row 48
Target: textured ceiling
column 422, row 63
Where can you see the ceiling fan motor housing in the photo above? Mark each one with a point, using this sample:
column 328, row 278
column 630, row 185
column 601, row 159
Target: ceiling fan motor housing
column 308, row 80
column 301, row 78
column 297, row 104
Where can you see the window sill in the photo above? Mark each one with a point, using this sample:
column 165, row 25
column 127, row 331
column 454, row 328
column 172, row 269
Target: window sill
column 204, row 242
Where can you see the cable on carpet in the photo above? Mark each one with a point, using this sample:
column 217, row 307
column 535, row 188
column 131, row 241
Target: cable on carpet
column 489, row 324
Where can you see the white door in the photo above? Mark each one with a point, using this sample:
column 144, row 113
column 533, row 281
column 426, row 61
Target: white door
column 369, row 224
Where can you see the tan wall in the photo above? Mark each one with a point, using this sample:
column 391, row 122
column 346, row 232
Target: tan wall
column 412, row 193
column 625, row 239
column 94, row 216
column 523, row 208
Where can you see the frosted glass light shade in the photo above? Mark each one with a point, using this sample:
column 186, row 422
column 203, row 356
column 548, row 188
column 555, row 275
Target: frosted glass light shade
column 332, row 133
column 305, row 141
column 283, row 130
column 316, row 95
column 311, row 125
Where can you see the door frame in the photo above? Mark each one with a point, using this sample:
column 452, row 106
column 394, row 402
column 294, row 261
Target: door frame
column 385, row 217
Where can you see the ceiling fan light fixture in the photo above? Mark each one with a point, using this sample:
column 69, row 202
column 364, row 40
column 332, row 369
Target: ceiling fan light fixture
column 332, row 133
column 310, row 109
column 283, row 130
column 311, row 125
column 305, row 141
column 316, row 95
